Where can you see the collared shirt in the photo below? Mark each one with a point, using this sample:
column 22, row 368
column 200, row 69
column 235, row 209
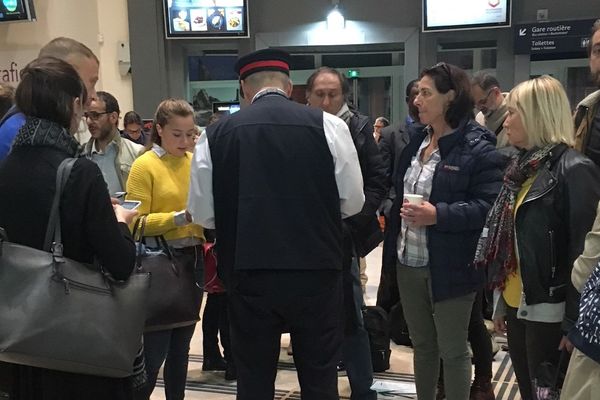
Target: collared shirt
column 106, row 161
column 267, row 90
column 348, row 176
column 160, row 152
column 412, row 240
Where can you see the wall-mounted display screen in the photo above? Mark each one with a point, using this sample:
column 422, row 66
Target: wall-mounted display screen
column 440, row 15
column 196, row 19
column 226, row 107
column 16, row 10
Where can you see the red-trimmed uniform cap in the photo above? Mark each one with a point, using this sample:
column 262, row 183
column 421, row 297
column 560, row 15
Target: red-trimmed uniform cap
column 263, row 60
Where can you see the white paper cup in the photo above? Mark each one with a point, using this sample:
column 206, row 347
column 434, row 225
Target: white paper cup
column 416, row 199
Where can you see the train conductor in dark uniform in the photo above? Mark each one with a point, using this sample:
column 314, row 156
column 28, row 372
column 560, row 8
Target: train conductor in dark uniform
column 276, row 179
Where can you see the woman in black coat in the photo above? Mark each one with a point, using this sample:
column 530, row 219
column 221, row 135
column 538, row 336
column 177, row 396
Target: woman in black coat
column 52, row 96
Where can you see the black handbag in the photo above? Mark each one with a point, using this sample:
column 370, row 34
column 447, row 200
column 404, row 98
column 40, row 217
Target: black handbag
column 174, row 299
column 60, row 314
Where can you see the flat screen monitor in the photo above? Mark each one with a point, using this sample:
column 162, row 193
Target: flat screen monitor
column 16, row 10
column 226, row 107
column 197, row 19
column 445, row 15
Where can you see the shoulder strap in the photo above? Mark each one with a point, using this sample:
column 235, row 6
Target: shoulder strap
column 53, row 239
column 138, row 237
column 500, row 127
column 12, row 111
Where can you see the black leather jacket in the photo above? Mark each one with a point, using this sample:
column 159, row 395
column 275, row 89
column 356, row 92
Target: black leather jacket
column 364, row 226
column 551, row 224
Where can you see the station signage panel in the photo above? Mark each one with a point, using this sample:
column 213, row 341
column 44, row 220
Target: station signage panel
column 552, row 37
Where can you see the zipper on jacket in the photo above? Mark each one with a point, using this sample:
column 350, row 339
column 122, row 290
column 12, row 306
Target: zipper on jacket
column 553, row 289
column 552, row 255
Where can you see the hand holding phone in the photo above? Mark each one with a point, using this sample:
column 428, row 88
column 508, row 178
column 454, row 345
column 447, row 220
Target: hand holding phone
column 118, row 197
column 124, row 215
column 131, row 204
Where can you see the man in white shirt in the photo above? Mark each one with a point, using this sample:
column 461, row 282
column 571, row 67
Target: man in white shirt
column 275, row 179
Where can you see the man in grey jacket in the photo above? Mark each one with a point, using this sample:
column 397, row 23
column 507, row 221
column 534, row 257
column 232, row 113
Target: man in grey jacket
column 113, row 154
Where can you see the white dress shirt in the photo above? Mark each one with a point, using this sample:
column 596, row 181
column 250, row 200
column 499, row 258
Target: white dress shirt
column 348, row 175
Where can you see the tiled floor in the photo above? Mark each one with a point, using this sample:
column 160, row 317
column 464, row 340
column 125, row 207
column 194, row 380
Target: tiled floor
column 396, row 383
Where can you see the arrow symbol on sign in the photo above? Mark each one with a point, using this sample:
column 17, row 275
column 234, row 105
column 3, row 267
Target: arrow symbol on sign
column 522, row 31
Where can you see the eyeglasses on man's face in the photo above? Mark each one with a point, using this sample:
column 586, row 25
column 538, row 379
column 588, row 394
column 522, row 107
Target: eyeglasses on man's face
column 482, row 102
column 132, row 131
column 94, row 115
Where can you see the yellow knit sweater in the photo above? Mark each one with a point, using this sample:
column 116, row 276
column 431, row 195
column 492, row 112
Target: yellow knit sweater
column 162, row 185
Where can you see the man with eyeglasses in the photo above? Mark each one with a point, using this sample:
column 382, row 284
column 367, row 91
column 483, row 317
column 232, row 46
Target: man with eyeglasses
column 75, row 53
column 587, row 116
column 491, row 103
column 113, row 154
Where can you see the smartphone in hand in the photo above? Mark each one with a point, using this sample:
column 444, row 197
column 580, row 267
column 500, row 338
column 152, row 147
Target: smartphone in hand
column 131, row 204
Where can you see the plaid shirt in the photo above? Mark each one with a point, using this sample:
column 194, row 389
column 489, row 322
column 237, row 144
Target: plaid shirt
column 412, row 241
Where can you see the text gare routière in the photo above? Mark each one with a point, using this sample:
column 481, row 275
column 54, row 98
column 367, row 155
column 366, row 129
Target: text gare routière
column 9, row 73
column 550, row 30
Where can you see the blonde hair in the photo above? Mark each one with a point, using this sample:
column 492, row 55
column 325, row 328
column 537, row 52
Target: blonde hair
column 165, row 111
column 545, row 111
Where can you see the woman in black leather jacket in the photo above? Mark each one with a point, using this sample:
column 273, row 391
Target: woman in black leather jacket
column 537, row 227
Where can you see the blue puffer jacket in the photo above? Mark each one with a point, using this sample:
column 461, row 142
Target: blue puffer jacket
column 9, row 129
column 466, row 183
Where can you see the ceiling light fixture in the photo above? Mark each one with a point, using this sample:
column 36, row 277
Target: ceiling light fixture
column 335, row 18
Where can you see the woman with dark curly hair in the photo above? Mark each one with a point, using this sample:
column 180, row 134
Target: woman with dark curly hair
column 446, row 179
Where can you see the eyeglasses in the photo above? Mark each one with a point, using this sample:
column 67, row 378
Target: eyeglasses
column 94, row 115
column 446, row 68
column 133, row 131
column 481, row 102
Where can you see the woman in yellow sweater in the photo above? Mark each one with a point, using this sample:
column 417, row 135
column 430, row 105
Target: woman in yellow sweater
column 160, row 180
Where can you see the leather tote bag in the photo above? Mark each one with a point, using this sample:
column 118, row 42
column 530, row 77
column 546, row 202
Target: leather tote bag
column 174, row 298
column 59, row 314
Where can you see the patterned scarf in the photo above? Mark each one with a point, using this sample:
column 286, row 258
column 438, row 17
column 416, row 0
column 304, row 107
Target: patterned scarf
column 345, row 114
column 41, row 132
column 496, row 246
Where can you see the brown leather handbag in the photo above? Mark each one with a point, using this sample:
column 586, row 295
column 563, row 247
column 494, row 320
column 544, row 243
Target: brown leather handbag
column 174, row 299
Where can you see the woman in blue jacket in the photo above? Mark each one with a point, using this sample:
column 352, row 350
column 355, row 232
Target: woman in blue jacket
column 454, row 166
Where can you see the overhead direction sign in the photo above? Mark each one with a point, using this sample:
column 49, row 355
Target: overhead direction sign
column 552, row 37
